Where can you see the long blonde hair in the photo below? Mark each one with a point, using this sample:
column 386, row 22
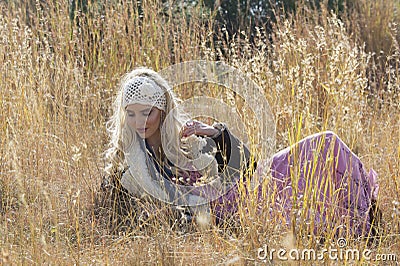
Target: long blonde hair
column 122, row 136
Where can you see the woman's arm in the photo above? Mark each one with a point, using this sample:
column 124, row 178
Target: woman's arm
column 231, row 154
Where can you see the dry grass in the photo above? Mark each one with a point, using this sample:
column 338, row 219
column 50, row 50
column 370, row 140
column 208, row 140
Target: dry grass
column 58, row 81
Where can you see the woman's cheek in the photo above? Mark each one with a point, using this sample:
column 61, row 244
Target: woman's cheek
column 130, row 121
column 152, row 119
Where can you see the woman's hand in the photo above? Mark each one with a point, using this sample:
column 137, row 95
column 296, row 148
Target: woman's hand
column 198, row 128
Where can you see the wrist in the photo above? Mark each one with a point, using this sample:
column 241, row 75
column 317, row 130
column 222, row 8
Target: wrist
column 216, row 133
column 219, row 127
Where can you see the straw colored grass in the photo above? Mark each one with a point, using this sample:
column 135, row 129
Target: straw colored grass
column 58, row 80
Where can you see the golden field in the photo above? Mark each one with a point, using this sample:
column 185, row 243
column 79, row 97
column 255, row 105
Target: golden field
column 58, row 80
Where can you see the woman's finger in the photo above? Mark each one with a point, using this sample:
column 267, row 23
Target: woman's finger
column 188, row 132
column 194, row 127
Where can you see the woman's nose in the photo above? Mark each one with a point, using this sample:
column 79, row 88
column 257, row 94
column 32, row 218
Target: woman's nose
column 140, row 123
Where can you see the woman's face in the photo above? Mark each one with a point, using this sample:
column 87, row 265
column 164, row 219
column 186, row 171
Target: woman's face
column 144, row 119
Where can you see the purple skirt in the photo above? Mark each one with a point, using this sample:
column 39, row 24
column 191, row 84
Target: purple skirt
column 317, row 181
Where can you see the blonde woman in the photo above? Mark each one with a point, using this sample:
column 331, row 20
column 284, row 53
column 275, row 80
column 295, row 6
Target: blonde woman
column 157, row 154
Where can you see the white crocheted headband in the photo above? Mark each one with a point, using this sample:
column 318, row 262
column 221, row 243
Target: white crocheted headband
column 145, row 91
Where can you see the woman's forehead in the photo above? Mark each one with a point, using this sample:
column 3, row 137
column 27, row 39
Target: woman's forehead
column 137, row 107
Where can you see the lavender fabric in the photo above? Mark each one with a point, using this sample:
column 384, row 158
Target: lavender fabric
column 322, row 169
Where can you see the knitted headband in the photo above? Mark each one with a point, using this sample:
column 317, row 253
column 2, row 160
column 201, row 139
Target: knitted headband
column 145, row 91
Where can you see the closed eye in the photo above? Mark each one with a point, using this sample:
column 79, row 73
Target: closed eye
column 147, row 113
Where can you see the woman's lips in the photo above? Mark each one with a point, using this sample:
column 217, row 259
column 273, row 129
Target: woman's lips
column 141, row 130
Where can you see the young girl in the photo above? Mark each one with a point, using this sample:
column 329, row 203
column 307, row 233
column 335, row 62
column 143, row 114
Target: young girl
column 158, row 155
